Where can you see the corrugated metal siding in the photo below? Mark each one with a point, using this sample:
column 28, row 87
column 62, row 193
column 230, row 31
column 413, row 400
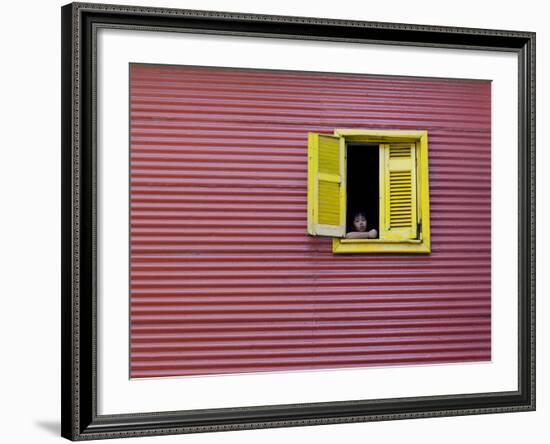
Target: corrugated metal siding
column 225, row 279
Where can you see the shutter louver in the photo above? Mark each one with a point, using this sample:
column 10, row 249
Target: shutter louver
column 399, row 203
column 326, row 185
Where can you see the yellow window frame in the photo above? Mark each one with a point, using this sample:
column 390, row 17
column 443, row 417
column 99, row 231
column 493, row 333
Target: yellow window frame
column 421, row 244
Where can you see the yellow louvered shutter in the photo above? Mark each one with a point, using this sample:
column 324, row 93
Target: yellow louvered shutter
column 326, row 185
column 398, row 188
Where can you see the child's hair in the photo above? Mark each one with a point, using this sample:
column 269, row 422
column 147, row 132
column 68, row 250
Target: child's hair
column 359, row 213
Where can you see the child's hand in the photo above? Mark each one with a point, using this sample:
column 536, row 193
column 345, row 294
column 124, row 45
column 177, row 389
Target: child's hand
column 372, row 234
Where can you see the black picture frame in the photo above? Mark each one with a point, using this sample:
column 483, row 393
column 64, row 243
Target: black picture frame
column 80, row 420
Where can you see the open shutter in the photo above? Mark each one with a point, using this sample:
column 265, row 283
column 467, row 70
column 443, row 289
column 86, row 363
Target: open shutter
column 326, row 185
column 398, row 205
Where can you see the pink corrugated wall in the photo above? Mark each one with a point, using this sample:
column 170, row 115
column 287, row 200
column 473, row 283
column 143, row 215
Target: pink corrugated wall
column 225, row 279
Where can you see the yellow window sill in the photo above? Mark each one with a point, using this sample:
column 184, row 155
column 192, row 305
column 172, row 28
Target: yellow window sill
column 380, row 246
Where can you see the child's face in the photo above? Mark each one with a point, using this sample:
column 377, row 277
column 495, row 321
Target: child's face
column 360, row 223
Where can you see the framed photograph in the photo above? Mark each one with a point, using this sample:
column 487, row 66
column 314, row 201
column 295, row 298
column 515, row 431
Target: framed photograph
column 275, row 221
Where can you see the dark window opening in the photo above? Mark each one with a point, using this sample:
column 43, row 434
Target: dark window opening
column 363, row 184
